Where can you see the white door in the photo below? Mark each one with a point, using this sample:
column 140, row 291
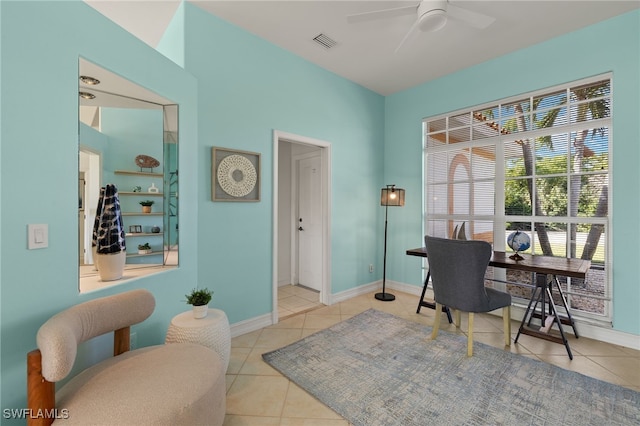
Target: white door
column 90, row 168
column 309, row 222
column 81, row 217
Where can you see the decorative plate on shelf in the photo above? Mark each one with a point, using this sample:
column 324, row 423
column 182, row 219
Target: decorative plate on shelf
column 146, row 162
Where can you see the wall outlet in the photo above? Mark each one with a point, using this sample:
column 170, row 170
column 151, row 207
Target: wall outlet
column 133, row 340
column 370, row 267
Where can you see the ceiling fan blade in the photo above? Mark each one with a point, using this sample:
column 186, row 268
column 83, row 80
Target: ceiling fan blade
column 474, row 19
column 411, row 32
column 382, row 14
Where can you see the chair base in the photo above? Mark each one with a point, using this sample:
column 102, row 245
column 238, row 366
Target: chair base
column 385, row 297
column 506, row 319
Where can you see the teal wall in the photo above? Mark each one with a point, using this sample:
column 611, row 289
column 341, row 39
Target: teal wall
column 40, row 45
column 94, row 140
column 172, row 43
column 613, row 46
column 234, row 91
column 132, row 132
column 247, row 88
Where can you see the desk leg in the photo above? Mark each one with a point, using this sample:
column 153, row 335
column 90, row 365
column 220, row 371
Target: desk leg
column 557, row 319
column 569, row 320
column 544, row 298
column 424, row 291
column 526, row 313
column 430, row 305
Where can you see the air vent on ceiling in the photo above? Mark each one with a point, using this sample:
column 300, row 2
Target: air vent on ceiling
column 325, row 41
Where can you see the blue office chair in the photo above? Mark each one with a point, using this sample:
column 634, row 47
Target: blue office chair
column 457, row 270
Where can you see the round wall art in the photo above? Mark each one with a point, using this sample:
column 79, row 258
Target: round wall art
column 236, row 175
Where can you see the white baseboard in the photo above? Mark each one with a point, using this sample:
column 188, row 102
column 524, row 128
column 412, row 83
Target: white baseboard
column 353, row 292
column 251, row 324
column 585, row 329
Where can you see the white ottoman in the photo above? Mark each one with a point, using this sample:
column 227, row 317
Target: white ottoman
column 211, row 331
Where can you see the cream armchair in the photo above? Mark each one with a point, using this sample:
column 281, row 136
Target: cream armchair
column 176, row 384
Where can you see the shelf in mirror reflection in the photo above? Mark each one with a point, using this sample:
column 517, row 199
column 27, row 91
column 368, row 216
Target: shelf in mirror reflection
column 134, row 173
column 146, row 194
column 153, row 253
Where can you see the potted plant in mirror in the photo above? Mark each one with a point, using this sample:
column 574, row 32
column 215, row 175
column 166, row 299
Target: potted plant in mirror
column 146, row 205
column 144, row 248
column 199, row 299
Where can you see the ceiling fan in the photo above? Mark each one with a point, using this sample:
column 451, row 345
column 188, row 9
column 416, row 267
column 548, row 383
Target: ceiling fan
column 431, row 16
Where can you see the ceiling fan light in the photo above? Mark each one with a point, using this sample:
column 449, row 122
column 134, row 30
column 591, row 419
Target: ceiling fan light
column 432, row 20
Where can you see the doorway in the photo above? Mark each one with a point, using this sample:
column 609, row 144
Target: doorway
column 301, row 222
column 89, row 182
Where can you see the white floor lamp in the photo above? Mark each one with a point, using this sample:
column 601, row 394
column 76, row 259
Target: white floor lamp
column 394, row 197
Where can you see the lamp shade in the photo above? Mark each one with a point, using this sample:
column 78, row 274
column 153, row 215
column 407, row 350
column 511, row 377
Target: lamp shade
column 392, row 196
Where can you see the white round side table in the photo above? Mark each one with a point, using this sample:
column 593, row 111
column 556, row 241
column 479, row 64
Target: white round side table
column 211, row 331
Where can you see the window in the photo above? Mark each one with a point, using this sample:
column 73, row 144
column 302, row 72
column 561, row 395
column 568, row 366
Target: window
column 537, row 163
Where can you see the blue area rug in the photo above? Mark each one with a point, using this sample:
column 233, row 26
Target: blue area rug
column 378, row 369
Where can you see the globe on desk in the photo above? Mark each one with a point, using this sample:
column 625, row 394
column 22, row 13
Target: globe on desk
column 518, row 241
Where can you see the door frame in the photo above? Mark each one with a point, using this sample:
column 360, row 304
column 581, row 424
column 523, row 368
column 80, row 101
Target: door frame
column 325, row 164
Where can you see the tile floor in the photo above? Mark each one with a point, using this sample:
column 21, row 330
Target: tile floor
column 294, row 299
column 258, row 395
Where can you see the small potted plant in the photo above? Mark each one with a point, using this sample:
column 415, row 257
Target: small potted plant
column 144, row 248
column 199, row 299
column 146, row 205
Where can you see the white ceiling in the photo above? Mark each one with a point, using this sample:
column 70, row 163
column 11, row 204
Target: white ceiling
column 365, row 52
column 116, row 91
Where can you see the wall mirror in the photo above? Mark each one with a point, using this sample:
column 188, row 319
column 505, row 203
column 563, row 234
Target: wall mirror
column 128, row 137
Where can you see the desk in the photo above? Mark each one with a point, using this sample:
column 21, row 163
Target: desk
column 542, row 293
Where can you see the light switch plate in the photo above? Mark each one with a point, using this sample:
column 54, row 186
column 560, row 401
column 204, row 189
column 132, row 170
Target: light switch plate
column 37, row 236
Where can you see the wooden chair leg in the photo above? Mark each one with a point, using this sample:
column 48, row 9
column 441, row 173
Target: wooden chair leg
column 458, row 318
column 470, row 336
column 41, row 394
column 436, row 321
column 121, row 341
column 506, row 319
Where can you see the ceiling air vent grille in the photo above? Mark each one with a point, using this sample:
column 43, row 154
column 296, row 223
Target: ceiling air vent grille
column 325, row 41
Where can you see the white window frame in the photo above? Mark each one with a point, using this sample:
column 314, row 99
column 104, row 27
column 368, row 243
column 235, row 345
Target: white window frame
column 499, row 218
